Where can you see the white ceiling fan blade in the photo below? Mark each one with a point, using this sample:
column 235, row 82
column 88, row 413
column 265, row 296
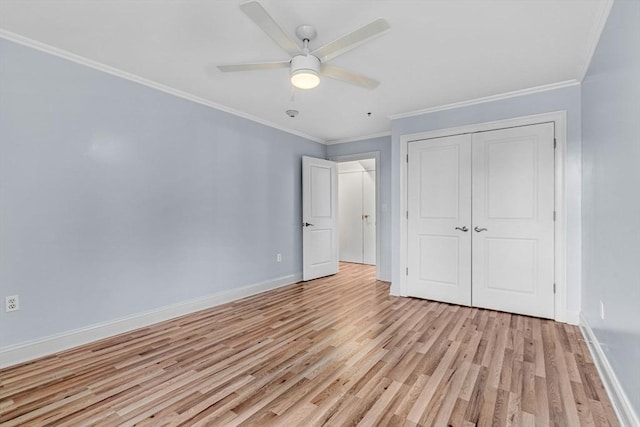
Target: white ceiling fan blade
column 255, row 66
column 261, row 17
column 352, row 40
column 347, row 76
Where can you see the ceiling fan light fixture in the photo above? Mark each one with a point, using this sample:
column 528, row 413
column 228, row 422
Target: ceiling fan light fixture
column 305, row 71
column 305, row 79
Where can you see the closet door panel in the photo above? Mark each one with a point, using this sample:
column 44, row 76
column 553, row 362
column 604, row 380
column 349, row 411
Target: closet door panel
column 439, row 203
column 513, row 204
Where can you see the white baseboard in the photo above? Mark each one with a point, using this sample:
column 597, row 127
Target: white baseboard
column 621, row 404
column 573, row 317
column 14, row 354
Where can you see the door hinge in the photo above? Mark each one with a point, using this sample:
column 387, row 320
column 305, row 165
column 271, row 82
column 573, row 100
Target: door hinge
column 407, row 158
column 554, row 288
column 555, row 143
column 407, row 271
column 554, row 215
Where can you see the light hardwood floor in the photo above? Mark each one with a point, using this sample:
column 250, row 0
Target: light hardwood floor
column 335, row 351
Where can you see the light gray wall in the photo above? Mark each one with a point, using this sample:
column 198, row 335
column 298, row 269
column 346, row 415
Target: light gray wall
column 611, row 194
column 568, row 99
column 116, row 198
column 383, row 145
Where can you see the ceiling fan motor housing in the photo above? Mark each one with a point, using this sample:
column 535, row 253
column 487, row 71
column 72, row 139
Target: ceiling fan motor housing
column 301, row 63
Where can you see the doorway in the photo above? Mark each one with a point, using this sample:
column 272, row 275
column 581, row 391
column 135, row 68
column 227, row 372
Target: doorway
column 358, row 208
column 356, row 211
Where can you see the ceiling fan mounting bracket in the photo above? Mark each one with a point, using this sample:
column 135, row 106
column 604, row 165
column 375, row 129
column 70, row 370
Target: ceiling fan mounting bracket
column 306, row 32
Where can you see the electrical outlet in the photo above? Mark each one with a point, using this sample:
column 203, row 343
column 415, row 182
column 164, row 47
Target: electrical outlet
column 601, row 310
column 279, row 257
column 11, row 303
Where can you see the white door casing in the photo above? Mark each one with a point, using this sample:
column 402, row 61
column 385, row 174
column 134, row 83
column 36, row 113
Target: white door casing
column 319, row 218
column 513, row 220
column 439, row 219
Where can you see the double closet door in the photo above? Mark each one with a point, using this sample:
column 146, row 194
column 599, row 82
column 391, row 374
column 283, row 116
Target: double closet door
column 481, row 219
column 357, row 216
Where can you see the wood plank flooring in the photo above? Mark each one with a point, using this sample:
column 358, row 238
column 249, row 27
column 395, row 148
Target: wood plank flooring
column 334, row 351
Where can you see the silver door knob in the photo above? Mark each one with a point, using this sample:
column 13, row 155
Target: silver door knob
column 464, row 228
column 306, row 224
column 478, row 230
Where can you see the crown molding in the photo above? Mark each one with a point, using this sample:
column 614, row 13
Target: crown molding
column 358, row 138
column 595, row 33
column 498, row 97
column 43, row 47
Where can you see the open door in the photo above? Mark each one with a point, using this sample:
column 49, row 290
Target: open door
column 319, row 218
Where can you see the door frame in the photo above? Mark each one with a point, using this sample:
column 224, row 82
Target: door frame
column 559, row 118
column 364, row 156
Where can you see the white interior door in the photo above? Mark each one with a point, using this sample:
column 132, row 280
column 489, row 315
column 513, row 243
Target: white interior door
column 369, row 217
column 351, row 230
column 513, row 204
column 439, row 202
column 319, row 218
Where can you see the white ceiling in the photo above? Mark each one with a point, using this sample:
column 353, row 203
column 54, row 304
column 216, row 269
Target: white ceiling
column 436, row 53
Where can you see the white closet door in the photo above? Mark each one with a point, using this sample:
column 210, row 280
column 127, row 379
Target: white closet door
column 439, row 202
column 350, row 215
column 369, row 217
column 513, row 204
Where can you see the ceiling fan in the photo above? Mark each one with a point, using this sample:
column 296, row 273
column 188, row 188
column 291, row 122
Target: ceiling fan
column 306, row 66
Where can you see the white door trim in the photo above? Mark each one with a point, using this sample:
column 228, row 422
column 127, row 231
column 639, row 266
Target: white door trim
column 363, row 156
column 559, row 118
